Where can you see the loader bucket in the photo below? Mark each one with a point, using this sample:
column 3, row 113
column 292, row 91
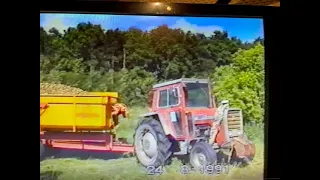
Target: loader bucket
column 243, row 149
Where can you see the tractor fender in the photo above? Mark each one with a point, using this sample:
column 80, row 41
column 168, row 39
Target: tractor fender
column 159, row 118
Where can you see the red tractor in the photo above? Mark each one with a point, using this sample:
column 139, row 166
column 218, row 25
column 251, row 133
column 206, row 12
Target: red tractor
column 184, row 121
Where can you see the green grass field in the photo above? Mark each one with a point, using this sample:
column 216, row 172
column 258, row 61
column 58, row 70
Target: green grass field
column 127, row 167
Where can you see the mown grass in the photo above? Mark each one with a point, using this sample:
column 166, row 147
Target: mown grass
column 127, row 168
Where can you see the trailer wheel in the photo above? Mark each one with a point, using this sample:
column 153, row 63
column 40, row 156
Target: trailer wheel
column 202, row 155
column 151, row 145
column 42, row 150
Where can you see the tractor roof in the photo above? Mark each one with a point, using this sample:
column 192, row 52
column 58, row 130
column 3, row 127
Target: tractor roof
column 183, row 80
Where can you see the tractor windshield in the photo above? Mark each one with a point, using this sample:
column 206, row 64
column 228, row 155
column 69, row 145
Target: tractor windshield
column 197, row 95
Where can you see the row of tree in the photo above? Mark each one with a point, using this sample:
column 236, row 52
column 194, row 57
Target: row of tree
column 129, row 62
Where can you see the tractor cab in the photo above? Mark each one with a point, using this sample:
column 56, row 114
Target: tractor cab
column 184, row 103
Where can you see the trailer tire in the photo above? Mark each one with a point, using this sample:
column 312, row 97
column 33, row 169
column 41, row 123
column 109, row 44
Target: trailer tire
column 151, row 145
column 42, row 150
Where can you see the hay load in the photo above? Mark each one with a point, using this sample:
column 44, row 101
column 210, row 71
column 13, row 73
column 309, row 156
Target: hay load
column 60, row 89
column 49, row 88
column 111, row 123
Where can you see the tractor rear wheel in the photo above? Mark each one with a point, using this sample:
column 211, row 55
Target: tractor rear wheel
column 202, row 155
column 151, row 145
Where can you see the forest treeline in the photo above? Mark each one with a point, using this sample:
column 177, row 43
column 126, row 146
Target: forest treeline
column 131, row 61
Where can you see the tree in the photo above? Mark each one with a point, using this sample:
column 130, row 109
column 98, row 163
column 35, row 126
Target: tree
column 139, row 51
column 242, row 82
column 131, row 61
column 259, row 40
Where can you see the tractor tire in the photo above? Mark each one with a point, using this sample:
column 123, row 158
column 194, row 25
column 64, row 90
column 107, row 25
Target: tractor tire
column 151, row 145
column 202, row 155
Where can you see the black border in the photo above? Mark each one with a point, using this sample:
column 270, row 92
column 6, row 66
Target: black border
column 273, row 73
column 271, row 16
column 148, row 9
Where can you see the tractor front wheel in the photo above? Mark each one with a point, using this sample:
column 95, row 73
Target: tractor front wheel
column 152, row 146
column 202, row 155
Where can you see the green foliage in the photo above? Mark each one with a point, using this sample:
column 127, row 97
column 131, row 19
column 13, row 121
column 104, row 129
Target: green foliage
column 254, row 132
column 133, row 85
column 242, row 82
column 129, row 62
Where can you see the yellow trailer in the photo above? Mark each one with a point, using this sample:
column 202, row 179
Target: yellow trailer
column 94, row 112
column 81, row 122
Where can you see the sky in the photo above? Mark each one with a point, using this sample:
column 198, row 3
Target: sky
column 247, row 29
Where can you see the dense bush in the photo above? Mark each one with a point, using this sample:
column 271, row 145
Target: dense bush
column 242, row 82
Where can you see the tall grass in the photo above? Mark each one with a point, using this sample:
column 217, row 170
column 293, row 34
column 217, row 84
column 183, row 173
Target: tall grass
column 255, row 132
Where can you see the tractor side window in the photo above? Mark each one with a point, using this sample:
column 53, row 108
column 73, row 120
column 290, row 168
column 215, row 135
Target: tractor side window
column 163, row 98
column 173, row 97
